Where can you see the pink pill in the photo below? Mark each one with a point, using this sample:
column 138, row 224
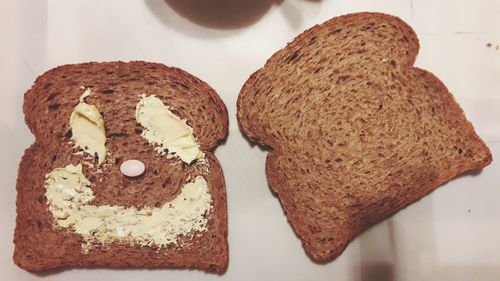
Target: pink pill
column 132, row 168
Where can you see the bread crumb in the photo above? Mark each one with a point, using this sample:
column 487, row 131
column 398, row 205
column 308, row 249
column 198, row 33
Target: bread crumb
column 86, row 248
column 488, row 45
column 468, row 210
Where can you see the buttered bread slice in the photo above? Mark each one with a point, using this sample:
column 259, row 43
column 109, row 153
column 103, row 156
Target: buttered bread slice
column 122, row 172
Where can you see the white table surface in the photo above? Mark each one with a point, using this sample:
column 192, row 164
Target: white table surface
column 452, row 234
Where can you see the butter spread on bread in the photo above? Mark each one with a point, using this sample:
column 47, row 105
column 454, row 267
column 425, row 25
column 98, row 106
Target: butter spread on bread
column 53, row 228
column 87, row 127
column 167, row 130
column 69, row 194
column 69, row 197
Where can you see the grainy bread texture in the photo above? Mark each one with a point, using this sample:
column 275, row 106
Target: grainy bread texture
column 356, row 132
column 116, row 87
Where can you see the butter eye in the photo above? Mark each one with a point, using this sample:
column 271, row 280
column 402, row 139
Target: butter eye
column 163, row 128
column 88, row 129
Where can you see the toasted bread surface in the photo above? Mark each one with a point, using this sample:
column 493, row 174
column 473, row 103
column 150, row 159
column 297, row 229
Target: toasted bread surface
column 356, row 132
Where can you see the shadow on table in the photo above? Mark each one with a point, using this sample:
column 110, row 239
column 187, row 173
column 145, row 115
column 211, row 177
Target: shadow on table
column 220, row 17
column 377, row 253
column 222, row 14
column 385, row 251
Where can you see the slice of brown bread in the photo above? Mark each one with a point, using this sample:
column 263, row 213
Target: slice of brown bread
column 116, row 87
column 356, row 133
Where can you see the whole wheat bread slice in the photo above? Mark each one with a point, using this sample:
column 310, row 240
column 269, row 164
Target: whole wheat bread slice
column 356, row 133
column 116, row 87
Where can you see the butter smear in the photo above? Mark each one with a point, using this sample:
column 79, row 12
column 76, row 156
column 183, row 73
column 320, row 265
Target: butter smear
column 69, row 197
column 87, row 128
column 167, row 130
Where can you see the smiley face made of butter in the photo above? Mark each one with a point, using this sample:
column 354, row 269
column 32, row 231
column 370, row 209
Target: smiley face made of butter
column 70, row 195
